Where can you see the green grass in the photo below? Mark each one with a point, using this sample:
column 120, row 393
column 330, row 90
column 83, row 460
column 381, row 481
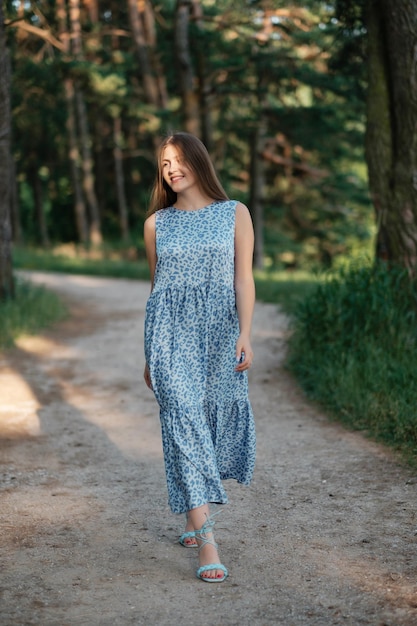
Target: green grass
column 354, row 350
column 32, row 309
column 35, row 259
column 286, row 288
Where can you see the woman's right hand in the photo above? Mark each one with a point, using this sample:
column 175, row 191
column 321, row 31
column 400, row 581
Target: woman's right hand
column 147, row 377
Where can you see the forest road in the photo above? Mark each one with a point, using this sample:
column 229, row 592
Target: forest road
column 325, row 535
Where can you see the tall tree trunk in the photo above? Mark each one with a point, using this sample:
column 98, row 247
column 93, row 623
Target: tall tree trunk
column 120, row 180
column 74, row 153
column 75, row 160
column 87, row 169
column 204, row 86
column 39, row 208
column 256, row 192
column 85, row 139
column 100, row 162
column 148, row 19
column 187, row 81
column 391, row 138
column 17, row 234
column 93, row 10
column 6, row 274
column 150, row 82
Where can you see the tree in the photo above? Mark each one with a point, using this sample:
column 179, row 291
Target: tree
column 6, row 275
column 120, row 179
column 143, row 32
column 74, row 156
column 384, row 34
column 391, row 146
column 87, row 164
column 187, row 80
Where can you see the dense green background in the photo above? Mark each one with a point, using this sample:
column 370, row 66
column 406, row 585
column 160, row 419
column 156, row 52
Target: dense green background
column 294, row 67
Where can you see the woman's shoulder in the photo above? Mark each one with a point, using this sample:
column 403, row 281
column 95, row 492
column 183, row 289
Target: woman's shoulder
column 240, row 208
column 243, row 217
column 150, row 220
column 156, row 215
column 150, row 225
column 236, row 203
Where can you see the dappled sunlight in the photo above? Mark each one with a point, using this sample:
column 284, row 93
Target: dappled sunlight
column 43, row 346
column 19, row 406
column 135, row 434
column 135, row 437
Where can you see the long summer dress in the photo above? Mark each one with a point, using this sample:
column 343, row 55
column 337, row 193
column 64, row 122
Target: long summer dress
column 191, row 328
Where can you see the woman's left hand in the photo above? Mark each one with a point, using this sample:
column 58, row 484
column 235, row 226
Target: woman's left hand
column 244, row 354
column 147, row 377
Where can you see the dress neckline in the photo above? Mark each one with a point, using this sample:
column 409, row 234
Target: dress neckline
column 194, row 210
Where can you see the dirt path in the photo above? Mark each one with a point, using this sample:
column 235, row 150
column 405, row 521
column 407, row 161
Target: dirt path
column 325, row 534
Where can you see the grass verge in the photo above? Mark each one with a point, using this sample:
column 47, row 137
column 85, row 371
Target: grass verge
column 97, row 263
column 286, row 288
column 32, row 309
column 354, row 350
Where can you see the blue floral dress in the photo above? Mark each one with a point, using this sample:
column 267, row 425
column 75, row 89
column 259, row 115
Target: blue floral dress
column 191, row 328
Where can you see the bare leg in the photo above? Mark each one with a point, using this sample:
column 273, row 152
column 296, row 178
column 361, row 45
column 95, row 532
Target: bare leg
column 190, row 541
column 208, row 552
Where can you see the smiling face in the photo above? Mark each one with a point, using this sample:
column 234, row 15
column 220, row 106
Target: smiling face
column 175, row 171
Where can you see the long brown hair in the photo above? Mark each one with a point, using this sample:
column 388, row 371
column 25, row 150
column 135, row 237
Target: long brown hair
column 195, row 154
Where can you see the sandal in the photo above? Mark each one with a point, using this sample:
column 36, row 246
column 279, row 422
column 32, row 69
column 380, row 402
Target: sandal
column 188, row 535
column 201, row 534
column 206, row 568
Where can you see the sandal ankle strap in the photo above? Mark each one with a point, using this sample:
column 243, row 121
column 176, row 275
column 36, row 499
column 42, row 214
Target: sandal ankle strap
column 207, row 528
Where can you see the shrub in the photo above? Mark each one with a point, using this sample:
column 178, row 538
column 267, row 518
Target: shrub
column 354, row 350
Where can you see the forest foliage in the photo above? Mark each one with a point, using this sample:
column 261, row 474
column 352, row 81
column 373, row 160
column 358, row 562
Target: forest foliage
column 274, row 89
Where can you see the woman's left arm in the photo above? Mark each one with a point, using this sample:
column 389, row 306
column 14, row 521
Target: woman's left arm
column 244, row 284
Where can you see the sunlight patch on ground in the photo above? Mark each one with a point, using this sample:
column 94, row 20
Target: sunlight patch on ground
column 19, row 407
column 135, row 435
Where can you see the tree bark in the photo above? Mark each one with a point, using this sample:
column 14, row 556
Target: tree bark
column 204, row 87
column 39, row 209
column 148, row 18
column 391, row 138
column 257, row 184
column 187, row 80
column 6, row 274
column 87, row 169
column 75, row 160
column 74, row 152
column 101, row 130
column 120, row 179
column 85, row 139
column 17, row 234
column 150, row 82
column 93, row 10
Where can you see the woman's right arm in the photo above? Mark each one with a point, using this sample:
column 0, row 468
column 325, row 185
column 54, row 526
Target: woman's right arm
column 149, row 235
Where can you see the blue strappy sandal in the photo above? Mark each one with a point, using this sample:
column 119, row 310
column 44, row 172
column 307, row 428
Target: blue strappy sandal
column 188, row 535
column 206, row 568
column 201, row 534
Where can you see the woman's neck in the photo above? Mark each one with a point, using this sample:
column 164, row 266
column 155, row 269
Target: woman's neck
column 192, row 201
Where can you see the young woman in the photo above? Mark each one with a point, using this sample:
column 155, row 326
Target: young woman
column 199, row 246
